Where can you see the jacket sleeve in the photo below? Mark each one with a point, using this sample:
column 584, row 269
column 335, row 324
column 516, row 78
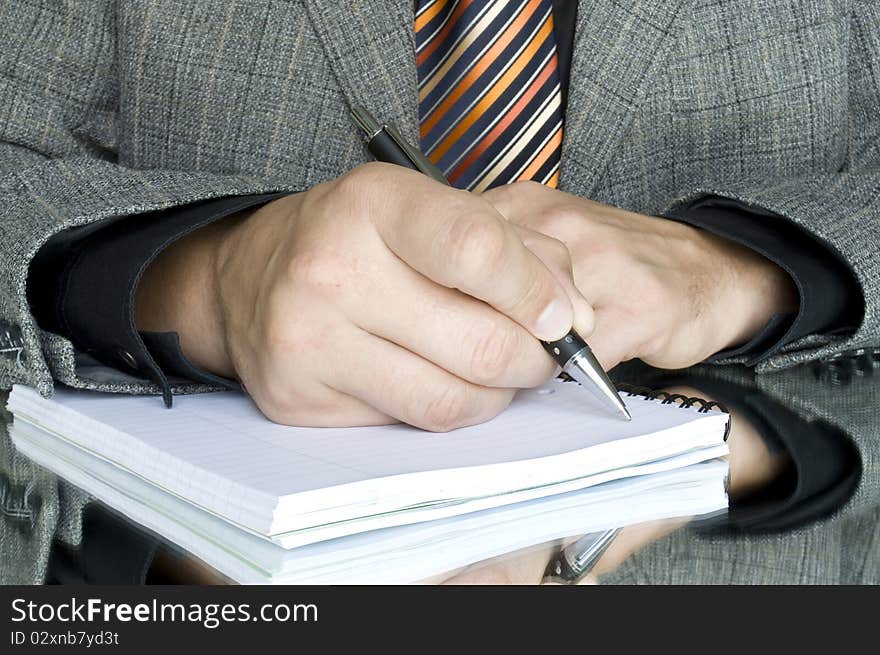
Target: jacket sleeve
column 841, row 209
column 60, row 168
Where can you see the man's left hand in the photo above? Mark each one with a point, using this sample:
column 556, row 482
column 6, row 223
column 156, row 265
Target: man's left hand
column 662, row 291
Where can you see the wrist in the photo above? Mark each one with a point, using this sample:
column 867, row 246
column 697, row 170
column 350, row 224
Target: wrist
column 755, row 290
column 179, row 293
column 243, row 255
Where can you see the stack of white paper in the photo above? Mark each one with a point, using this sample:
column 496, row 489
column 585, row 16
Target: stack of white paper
column 380, row 504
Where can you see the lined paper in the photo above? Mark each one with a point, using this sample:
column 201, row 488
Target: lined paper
column 217, row 450
column 393, row 555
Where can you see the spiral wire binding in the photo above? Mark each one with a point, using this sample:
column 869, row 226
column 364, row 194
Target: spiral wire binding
column 666, row 398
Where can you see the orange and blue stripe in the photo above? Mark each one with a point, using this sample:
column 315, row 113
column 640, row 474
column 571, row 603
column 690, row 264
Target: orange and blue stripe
column 490, row 103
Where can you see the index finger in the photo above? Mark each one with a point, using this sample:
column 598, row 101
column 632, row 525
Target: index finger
column 458, row 240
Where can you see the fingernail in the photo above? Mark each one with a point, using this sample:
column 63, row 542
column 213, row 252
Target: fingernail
column 555, row 321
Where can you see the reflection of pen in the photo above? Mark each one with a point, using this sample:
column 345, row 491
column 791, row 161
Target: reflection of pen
column 571, row 352
column 575, row 560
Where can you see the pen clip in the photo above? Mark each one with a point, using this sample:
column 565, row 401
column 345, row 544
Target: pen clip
column 364, row 119
column 422, row 163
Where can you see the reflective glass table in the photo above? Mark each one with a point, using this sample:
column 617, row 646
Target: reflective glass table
column 804, row 490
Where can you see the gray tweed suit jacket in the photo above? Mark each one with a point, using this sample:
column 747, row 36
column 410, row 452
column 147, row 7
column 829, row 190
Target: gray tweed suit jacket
column 115, row 108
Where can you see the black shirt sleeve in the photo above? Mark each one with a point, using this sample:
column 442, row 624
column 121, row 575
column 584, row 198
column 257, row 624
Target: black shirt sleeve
column 82, row 284
column 823, row 464
column 825, row 470
column 831, row 299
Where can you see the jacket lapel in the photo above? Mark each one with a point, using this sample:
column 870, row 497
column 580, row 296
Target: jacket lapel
column 371, row 46
column 619, row 48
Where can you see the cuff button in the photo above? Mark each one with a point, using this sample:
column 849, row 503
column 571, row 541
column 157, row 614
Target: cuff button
column 128, row 359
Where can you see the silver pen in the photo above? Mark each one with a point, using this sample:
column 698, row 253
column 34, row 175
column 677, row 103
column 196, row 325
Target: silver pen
column 570, row 352
column 577, row 559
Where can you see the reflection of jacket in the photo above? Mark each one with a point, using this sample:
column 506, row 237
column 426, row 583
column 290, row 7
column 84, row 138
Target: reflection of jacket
column 843, row 548
column 118, row 108
column 34, row 508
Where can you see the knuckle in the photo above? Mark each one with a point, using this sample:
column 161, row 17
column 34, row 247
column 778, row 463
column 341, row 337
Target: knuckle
column 373, row 179
column 316, row 193
column 650, row 291
column 491, row 349
column 560, row 253
column 530, row 185
column 278, row 338
column 318, row 270
column 475, row 246
column 287, row 341
column 556, row 220
column 523, row 188
column 500, row 196
column 446, row 410
column 362, row 177
column 288, row 406
column 276, row 334
column 305, row 403
column 317, row 204
column 356, row 189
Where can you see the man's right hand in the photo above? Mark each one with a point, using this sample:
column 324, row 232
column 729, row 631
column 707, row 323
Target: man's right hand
column 376, row 297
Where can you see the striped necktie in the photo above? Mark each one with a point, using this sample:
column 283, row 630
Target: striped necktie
column 489, row 98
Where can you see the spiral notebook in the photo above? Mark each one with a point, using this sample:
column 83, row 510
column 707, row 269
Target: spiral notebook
column 296, row 486
column 396, row 555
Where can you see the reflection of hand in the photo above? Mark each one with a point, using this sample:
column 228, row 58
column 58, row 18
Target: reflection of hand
column 664, row 292
column 528, row 566
column 752, row 466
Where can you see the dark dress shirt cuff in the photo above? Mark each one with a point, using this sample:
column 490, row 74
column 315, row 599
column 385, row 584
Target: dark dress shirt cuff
column 831, row 299
column 824, row 471
column 82, row 284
